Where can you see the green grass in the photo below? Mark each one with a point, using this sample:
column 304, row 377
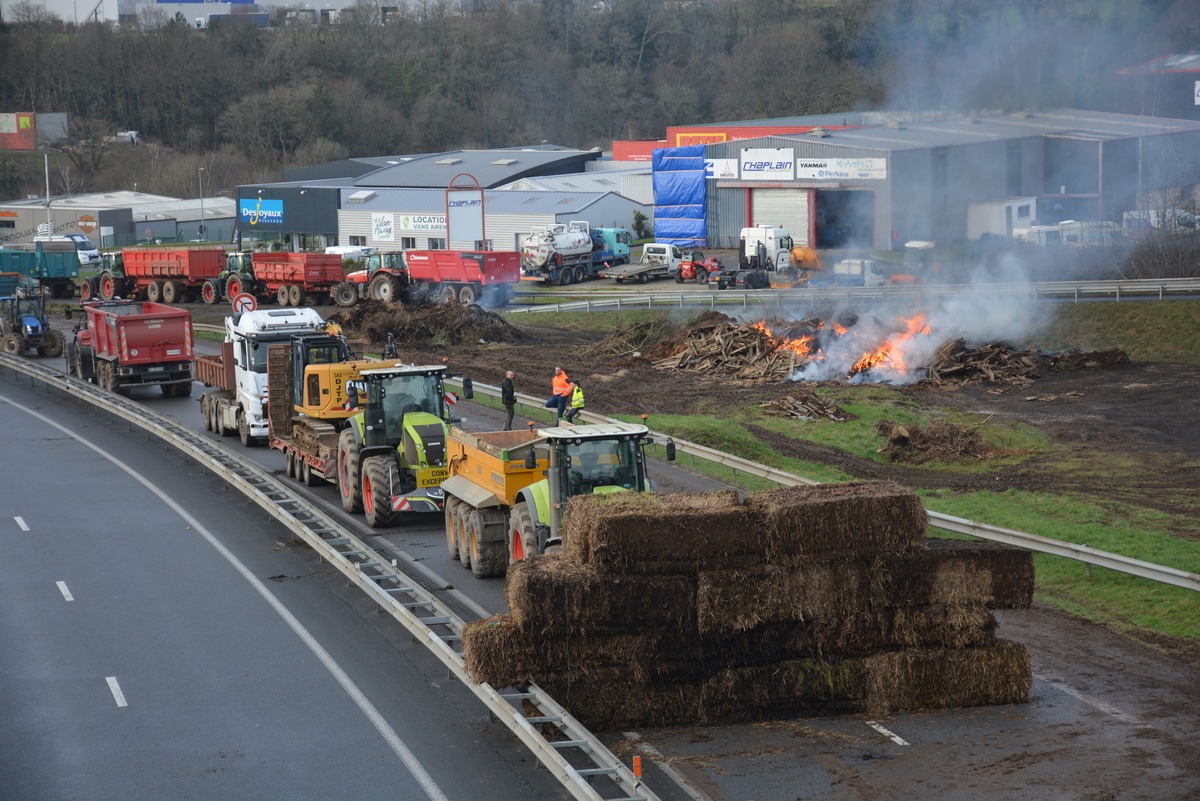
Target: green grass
column 1165, row 331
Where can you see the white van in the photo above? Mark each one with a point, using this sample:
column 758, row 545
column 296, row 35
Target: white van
column 84, row 249
column 662, row 253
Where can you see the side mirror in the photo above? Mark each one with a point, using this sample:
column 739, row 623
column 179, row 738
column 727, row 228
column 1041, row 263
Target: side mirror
column 468, row 388
column 530, row 460
column 670, row 450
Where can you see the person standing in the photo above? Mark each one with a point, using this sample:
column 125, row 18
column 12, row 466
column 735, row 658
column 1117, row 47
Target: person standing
column 508, row 396
column 577, row 403
column 561, row 386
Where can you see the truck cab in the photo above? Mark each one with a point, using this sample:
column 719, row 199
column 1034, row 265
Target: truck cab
column 852, row 272
column 765, row 247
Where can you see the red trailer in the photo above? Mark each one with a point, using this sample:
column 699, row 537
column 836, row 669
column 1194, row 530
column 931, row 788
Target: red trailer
column 465, row 276
column 128, row 343
column 292, row 277
column 170, row 275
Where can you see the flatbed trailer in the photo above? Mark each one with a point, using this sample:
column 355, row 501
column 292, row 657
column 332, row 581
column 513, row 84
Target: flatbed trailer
column 642, row 273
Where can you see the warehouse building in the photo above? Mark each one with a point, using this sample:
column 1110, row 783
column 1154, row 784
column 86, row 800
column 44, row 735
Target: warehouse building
column 946, row 180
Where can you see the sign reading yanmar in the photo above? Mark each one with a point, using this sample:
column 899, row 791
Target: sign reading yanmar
column 768, row 164
column 841, row 169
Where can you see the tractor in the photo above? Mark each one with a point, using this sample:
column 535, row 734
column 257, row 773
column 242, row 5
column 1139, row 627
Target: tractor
column 23, row 325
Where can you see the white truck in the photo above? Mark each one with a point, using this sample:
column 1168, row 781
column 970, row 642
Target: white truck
column 764, row 247
column 239, row 374
column 658, row 260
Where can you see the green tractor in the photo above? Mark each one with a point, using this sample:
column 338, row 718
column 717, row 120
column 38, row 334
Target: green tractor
column 392, row 456
column 23, row 325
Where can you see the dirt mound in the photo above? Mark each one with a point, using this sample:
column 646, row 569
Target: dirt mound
column 941, row 441
column 426, row 324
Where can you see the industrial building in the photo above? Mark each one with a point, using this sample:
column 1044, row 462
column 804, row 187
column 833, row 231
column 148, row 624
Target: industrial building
column 948, row 180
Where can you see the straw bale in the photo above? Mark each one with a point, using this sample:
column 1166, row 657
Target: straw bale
column 498, row 651
column 736, row 600
column 959, row 572
column 552, row 594
column 838, row 521
column 628, row 704
column 914, row 679
column 642, row 533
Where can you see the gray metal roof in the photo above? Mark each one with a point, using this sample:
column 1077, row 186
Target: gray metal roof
column 433, row 201
column 142, row 205
column 491, row 168
column 599, row 181
column 982, row 128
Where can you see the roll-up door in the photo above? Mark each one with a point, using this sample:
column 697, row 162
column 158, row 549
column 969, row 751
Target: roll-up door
column 783, row 208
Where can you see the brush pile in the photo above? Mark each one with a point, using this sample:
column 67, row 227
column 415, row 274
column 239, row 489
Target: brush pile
column 425, row 324
column 734, row 350
column 701, row 608
column 940, row 441
column 805, row 404
column 956, row 363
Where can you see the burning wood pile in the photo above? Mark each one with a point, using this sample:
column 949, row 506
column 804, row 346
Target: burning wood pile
column 744, row 351
column 701, row 608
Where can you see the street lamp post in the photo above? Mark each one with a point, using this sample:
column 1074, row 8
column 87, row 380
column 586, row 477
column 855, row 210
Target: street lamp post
column 201, row 174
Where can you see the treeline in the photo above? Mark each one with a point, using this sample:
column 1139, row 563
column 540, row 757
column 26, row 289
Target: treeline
column 245, row 103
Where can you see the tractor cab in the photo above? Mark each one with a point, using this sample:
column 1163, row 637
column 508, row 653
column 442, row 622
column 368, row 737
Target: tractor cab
column 391, row 262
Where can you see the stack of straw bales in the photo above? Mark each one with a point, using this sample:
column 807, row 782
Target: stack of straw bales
column 701, row 608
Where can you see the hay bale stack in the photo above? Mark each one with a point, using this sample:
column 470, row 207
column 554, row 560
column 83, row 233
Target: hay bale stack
column 838, row 521
column 555, row 596
column 682, row 533
column 694, row 609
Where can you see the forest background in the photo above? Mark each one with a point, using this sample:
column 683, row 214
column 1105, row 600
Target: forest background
column 246, row 103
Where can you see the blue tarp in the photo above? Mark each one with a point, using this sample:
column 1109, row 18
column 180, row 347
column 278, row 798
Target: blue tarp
column 680, row 196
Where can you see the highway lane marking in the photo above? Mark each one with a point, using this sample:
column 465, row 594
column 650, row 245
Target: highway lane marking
column 21, row 523
column 359, row 698
column 1096, row 703
column 115, row 688
column 895, row 738
column 62, row 587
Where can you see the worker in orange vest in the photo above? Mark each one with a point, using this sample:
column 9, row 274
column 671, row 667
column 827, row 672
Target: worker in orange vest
column 562, row 386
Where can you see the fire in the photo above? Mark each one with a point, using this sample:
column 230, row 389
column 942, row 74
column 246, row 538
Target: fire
column 801, row 346
column 839, row 329
column 889, row 354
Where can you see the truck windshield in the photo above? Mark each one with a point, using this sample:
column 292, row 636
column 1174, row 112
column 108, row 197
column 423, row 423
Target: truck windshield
column 408, row 393
column 256, row 360
column 600, row 463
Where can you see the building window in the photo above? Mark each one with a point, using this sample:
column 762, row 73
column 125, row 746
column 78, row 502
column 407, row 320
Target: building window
column 437, row 244
column 481, row 244
column 408, row 243
column 358, row 240
column 8, row 223
column 1023, row 212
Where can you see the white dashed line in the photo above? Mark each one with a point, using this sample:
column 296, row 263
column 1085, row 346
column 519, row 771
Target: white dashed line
column 1096, row 703
column 21, row 522
column 118, row 696
column 62, row 587
column 893, row 737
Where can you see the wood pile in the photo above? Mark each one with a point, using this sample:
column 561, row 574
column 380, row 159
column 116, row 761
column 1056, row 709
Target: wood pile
column 956, row 363
column 734, row 350
column 690, row 609
column 805, row 405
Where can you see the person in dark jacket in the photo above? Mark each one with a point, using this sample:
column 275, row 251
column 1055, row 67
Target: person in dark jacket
column 508, row 396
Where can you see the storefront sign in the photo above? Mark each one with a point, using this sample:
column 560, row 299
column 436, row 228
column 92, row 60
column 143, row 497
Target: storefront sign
column 841, row 169
column 423, row 222
column 768, row 164
column 383, row 227
column 258, row 210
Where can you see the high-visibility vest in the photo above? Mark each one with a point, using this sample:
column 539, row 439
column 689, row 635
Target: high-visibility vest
column 561, row 384
column 577, row 397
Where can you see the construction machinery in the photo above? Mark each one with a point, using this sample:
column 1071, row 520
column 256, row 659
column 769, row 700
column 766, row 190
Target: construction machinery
column 23, row 324
column 697, row 268
column 506, row 489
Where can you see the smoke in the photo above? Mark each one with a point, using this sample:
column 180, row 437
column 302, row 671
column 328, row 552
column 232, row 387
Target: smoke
column 893, row 344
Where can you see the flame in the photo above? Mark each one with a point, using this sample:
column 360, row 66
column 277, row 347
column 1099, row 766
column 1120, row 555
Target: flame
column 889, row 354
column 839, row 329
column 801, row 346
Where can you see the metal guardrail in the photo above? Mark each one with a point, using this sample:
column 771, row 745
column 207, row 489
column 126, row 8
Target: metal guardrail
column 1074, row 291
column 958, row 525
column 428, row 619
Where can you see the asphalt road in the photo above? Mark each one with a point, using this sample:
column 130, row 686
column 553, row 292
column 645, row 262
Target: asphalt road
column 1108, row 719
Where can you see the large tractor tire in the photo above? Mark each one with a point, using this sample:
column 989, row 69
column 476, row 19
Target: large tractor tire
column 233, row 286
column 282, row 297
column 349, row 485
column 107, row 286
column 88, row 290
column 377, row 491
column 54, row 345
column 11, row 344
column 296, row 295
column 154, row 291
column 210, row 292
column 452, row 506
column 345, row 294
column 173, row 291
column 487, row 558
column 385, row 288
column 522, row 540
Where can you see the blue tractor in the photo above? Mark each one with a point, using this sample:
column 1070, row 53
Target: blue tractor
column 23, row 325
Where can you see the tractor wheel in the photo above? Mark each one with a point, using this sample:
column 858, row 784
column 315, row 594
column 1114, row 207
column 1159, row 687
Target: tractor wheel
column 487, row 558
column 107, row 286
column 233, row 286
column 466, row 295
column 702, row 276
column 377, row 491
column 243, row 426
column 385, row 288
column 348, row 472
column 210, row 292
column 296, row 295
column 172, row 292
column 522, row 541
column 447, row 295
column 452, row 506
column 87, row 290
column 345, row 294
column 154, row 291
column 54, row 345
column 282, row 296
column 12, row 344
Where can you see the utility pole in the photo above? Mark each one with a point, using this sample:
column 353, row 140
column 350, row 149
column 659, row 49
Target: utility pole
column 201, row 174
